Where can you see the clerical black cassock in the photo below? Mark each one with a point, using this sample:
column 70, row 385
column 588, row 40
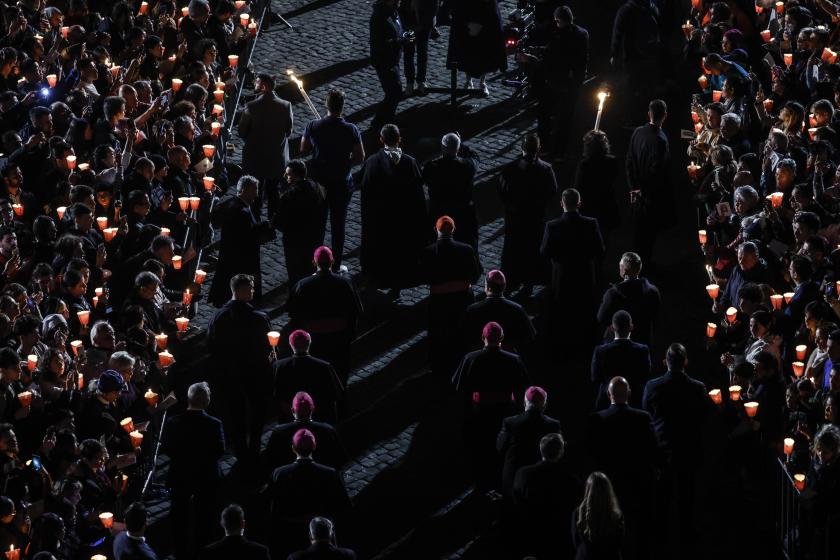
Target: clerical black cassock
column 278, row 451
column 450, row 268
column 395, row 223
column 527, row 187
column 490, row 382
column 519, row 331
column 327, row 306
column 303, row 372
column 301, row 216
column 449, row 179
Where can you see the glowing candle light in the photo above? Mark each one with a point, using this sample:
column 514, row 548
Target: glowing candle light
column 701, row 235
column 176, row 84
column 60, row 212
column 710, row 330
column 788, row 297
column 176, row 262
column 18, row 208
column 52, row 79
column 777, row 300
column 200, row 275
column 799, row 482
column 209, row 150
column 233, row 60
column 713, row 290
column 71, row 162
column 102, row 222
column 107, row 519
column 161, row 340
column 32, row 362
column 751, row 408
column 801, row 350
column 165, row 359
column 789, row 443
column 151, row 397
column 798, row 368
column 715, row 395
column 76, row 346
column 735, row 393
column 182, row 323
column 127, row 424
column 209, row 183
column 273, row 338
column 84, row 317
column 136, row 439
column 731, row 314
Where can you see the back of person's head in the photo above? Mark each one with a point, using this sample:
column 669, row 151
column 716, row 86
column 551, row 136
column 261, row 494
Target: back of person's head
column 198, row 395
column 303, row 443
column 552, row 447
column 303, row 405
column 631, row 263
column 445, row 225
column 241, row 285
column 323, row 257
column 658, row 110
column 298, row 168
column 495, row 282
column 535, row 397
column 599, row 516
column 8, row 358
column 802, row 267
column 450, row 143
column 267, row 80
column 136, row 517
column 570, row 199
column 492, row 333
column 321, row 530
column 233, row 519
column 676, row 357
column 390, row 135
column 622, row 323
column 619, row 390
column 300, row 340
column 531, row 145
column 335, row 101
column 564, row 13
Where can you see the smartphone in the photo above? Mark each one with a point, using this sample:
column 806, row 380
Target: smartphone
column 165, row 101
column 36, row 463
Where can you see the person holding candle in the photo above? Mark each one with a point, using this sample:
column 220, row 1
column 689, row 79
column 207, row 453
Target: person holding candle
column 13, row 190
column 10, row 371
column 620, row 355
column 99, row 414
column 595, row 179
column 807, row 290
column 751, row 268
column 194, row 442
column 635, row 294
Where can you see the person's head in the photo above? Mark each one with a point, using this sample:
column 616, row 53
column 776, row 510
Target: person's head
column 109, row 385
column 599, row 515
column 264, row 83
column 335, row 102
column 570, row 198
column 163, row 248
column 302, row 406
column 827, row 444
column 657, row 111
column 750, row 298
column 102, row 335
column 82, row 216
column 760, row 323
column 747, row 255
column 123, row 363
column 535, row 398
column 805, row 225
column 233, row 520
column 445, row 226
column 622, row 324
column 300, row 341
column 199, row 11
column 198, row 396
column 746, row 200
column 618, row 390
column 323, row 258
column 595, row 144
column 495, row 283
column 295, row 171
column 136, row 518
column 7, row 510
column 8, row 241
column 552, row 447
column 630, row 266
column 492, row 334
column 247, row 188
column 242, row 287
column 321, row 530
column 801, row 269
column 8, row 439
column 450, row 144
column 9, row 365
column 303, row 443
column 389, row 135
column 821, row 337
column 94, row 453
column 179, row 157
column 531, row 146
column 146, row 284
column 785, row 174
column 833, row 346
column 676, row 358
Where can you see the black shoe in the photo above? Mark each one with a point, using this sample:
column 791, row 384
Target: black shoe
column 435, row 33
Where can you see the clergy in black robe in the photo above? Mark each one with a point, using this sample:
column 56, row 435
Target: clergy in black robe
column 449, row 179
column 326, row 306
column 450, row 268
column 239, row 247
column 303, row 372
column 528, row 186
column 519, row 331
column 476, row 43
column 488, row 381
column 302, row 217
column 394, row 218
column 237, row 336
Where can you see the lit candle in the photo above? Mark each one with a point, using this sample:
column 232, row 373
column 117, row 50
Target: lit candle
column 218, row 95
column 710, row 330
column 84, row 317
column 715, row 395
column 239, row 4
column 176, row 84
column 76, row 345
column 165, row 231
column 766, row 35
column 182, row 323
column 71, row 161
column 751, row 408
column 186, row 299
column 801, row 350
column 165, row 358
column 273, row 338
column 788, row 57
column 115, row 70
column 18, row 208
column 144, row 7
column 789, row 443
column 780, row 7
column 777, row 300
column 107, row 519
column 65, row 31
column 731, row 314
column 233, row 60
column 798, row 368
column 95, row 301
column 102, row 222
column 243, row 19
column 127, row 424
column 698, row 128
column 218, row 110
column 81, row 382
column 788, row 297
column 768, row 105
column 829, row 56
column 703, row 81
column 215, row 128
column 84, row 166
column 60, row 212
column 176, row 262
column 687, row 29
column 32, row 362
column 252, row 28
column 716, row 94
column 184, row 203
column 200, row 275
column 160, row 341
column 109, row 233
column 209, row 183
column 812, row 134
column 13, row 553
column 776, row 199
column 713, row 290
column 812, row 120
column 195, row 202
column 695, row 118
column 25, row 398
column 735, row 393
column 52, row 79
column 209, row 150
column 701, row 235
column 799, row 482
column 220, row 85
column 136, row 439
column 693, row 168
column 151, row 397
column 98, row 557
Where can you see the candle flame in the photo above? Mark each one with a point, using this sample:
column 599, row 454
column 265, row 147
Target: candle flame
column 602, row 95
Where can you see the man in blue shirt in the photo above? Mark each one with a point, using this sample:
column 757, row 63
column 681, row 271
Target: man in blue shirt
column 336, row 147
column 131, row 543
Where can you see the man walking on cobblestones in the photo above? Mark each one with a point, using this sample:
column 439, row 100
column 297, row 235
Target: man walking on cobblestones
column 386, row 45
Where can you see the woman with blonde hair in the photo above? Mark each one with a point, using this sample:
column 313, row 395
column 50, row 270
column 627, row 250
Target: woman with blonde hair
column 598, row 524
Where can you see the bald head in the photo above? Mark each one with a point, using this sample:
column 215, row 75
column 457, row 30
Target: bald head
column 619, row 390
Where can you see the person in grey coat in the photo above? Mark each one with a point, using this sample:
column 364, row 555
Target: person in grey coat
column 265, row 126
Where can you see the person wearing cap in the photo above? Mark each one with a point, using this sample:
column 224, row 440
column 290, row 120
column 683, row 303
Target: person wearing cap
column 303, row 372
column 234, row 544
column 450, row 180
column 301, row 491
column 100, row 414
column 488, row 382
column 527, row 187
column 395, row 224
column 620, row 356
column 278, row 450
column 194, row 442
column 519, row 439
column 450, row 268
column 323, row 547
column 238, row 338
column 301, row 216
column 519, row 330
column 327, row 306
column 621, row 441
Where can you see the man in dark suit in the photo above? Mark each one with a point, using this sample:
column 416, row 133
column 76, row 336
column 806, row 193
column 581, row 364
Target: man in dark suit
column 574, row 245
column 519, row 331
column 386, row 45
column 301, row 491
column 678, row 405
column 265, row 126
column 621, row 356
column 131, row 543
column 234, row 544
column 323, row 547
column 303, row 372
column 194, row 442
column 623, row 445
column 545, row 495
column 633, row 294
column 278, row 450
column 237, row 336
column 519, row 439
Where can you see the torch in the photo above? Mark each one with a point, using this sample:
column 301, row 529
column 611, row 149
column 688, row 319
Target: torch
column 305, row 95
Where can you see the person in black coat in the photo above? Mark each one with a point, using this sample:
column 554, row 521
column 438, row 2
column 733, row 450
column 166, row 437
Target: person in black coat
column 131, row 543
column 487, row 381
column 194, row 442
column 323, row 547
column 302, row 217
column 476, row 42
column 278, row 450
column 545, row 495
column 241, row 236
column 623, row 357
column 237, row 336
column 647, row 162
column 678, row 405
column 450, row 267
column 519, row 439
column 622, row 444
column 326, row 306
column 449, row 179
column 234, row 544
column 595, row 180
column 634, row 294
column 519, row 331
column 303, row 372
column 301, row 491
column 527, row 187
column 418, row 16
column 395, row 225
column 386, row 44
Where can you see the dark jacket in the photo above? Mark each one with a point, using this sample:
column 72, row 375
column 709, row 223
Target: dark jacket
column 519, row 442
column 237, row 336
column 234, row 546
column 128, row 548
column 449, row 180
column 519, row 331
column 640, row 299
column 386, row 40
column 328, row 450
column 265, row 126
column 306, row 489
column 623, row 357
column 317, row 377
column 194, row 442
column 647, row 166
column 574, row 244
column 323, row 551
column 678, row 405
